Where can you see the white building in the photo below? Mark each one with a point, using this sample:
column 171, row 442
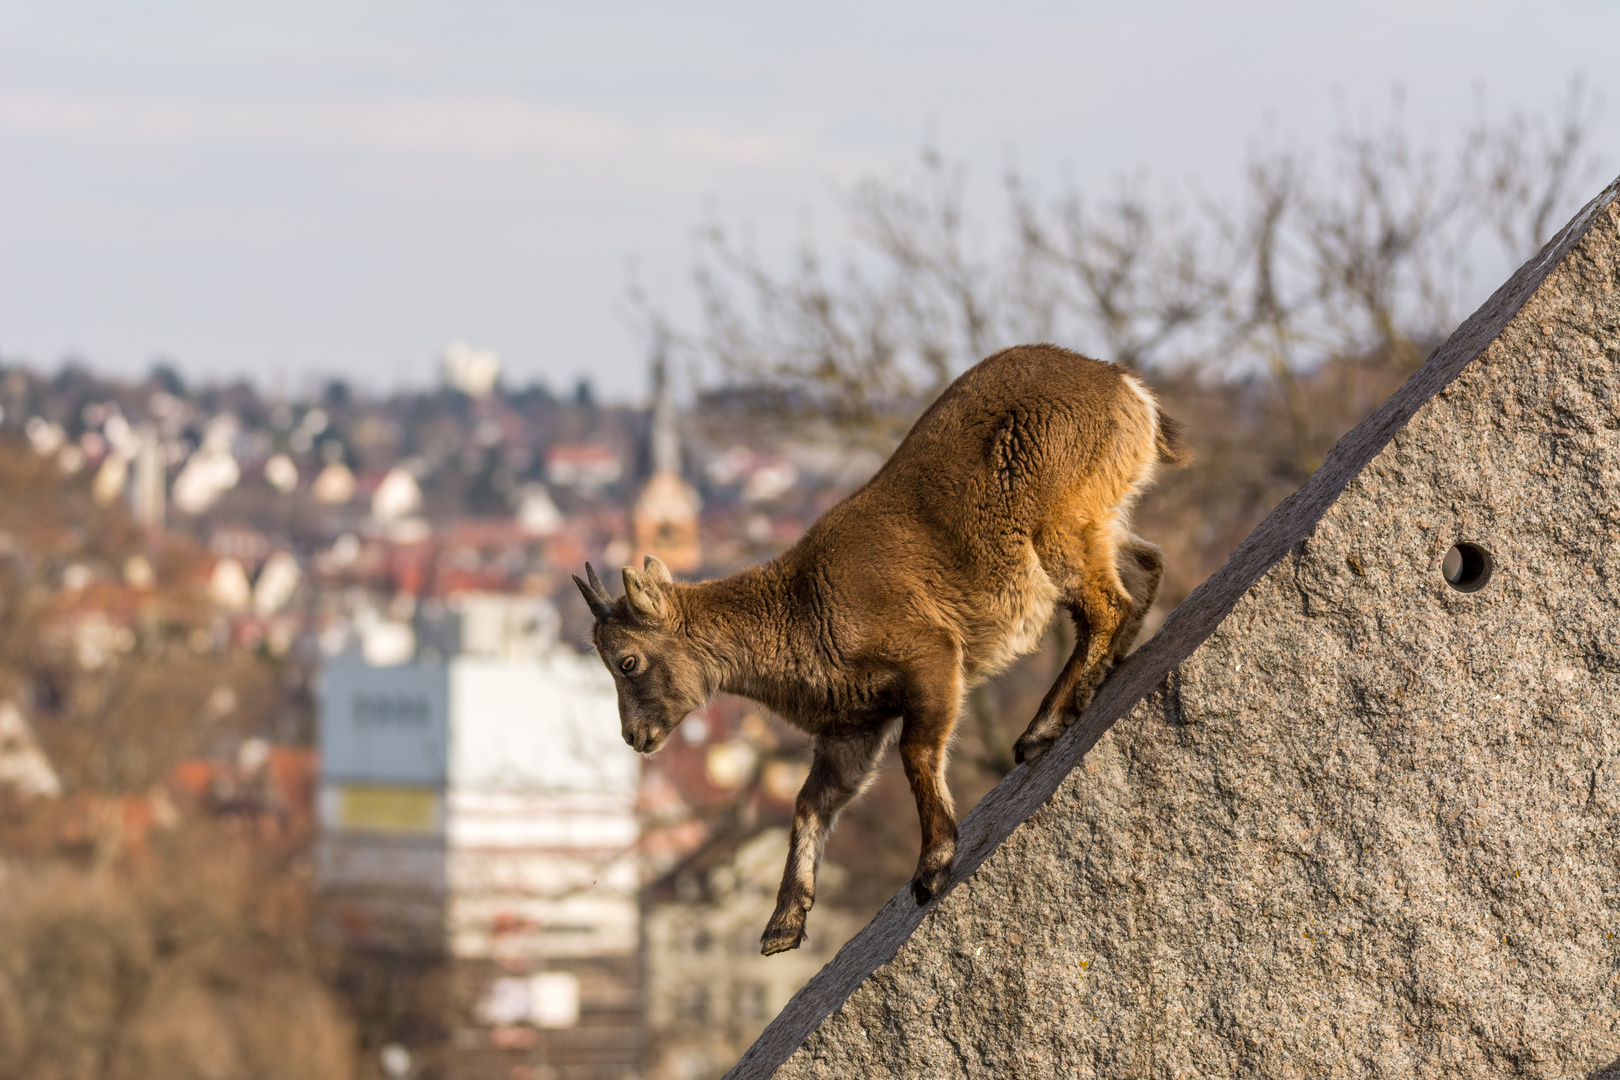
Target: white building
column 475, row 372
column 483, row 810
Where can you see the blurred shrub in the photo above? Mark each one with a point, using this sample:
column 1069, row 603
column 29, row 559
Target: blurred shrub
column 186, row 959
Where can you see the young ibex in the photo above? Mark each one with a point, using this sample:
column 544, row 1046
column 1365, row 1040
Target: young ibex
column 1008, row 498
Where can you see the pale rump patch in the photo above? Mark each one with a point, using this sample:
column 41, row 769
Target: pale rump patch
column 1143, row 393
column 1148, row 462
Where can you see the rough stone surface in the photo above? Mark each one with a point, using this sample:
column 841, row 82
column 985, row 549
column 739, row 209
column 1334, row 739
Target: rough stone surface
column 1352, row 822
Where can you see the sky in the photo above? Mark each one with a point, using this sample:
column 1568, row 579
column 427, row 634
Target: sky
column 294, row 190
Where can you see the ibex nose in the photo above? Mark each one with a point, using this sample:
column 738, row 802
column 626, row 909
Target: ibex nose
column 630, row 740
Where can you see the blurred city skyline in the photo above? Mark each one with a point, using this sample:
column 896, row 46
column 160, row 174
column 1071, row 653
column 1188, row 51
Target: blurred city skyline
column 287, row 193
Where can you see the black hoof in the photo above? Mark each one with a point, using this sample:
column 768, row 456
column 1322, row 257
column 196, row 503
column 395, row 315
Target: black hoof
column 780, row 939
column 929, row 884
column 1027, row 751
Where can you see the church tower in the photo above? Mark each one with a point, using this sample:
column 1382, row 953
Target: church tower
column 665, row 517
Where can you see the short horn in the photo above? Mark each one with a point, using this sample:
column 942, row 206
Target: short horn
column 596, row 585
column 596, row 597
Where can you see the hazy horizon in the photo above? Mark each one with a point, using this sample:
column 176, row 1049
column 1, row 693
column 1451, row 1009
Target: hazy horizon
column 289, row 193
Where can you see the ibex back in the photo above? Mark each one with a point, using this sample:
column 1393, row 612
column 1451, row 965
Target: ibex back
column 1008, row 498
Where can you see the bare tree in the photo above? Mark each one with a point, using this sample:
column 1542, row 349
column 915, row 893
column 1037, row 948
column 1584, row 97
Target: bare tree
column 1126, row 275
column 1528, row 169
column 1369, row 254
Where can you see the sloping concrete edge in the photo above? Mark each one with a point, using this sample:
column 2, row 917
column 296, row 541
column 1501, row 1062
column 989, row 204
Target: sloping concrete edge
column 1028, row 788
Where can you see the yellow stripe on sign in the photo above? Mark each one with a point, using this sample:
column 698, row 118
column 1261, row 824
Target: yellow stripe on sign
column 390, row 809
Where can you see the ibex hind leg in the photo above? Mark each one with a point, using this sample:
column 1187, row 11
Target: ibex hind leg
column 1141, row 569
column 840, row 770
column 1085, row 565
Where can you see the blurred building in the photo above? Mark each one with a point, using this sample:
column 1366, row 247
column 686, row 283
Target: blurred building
column 474, row 372
column 481, row 809
column 716, row 805
column 149, row 490
column 709, row 991
column 586, row 467
column 24, row 768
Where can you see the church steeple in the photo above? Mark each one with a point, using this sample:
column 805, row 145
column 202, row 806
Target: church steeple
column 666, row 514
column 666, row 440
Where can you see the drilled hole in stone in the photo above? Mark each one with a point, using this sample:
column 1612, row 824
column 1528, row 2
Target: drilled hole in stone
column 1467, row 567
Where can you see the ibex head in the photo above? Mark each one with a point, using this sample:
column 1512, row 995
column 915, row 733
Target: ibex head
column 659, row 678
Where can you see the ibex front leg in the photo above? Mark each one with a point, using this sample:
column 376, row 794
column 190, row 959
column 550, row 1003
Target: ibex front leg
column 924, row 739
column 841, row 770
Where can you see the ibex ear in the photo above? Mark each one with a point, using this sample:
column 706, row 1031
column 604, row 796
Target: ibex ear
column 657, row 570
column 646, row 597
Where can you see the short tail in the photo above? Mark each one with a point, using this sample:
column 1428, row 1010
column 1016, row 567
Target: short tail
column 1172, row 449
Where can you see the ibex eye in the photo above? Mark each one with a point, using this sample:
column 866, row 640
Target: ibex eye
column 627, row 665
